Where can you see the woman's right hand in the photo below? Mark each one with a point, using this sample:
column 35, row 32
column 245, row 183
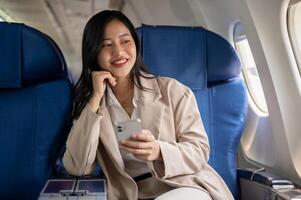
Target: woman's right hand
column 99, row 81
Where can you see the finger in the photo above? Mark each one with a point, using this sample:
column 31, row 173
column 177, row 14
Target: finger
column 144, row 157
column 106, row 78
column 112, row 82
column 144, row 135
column 136, row 151
column 105, row 74
column 100, row 73
column 136, row 145
column 111, row 79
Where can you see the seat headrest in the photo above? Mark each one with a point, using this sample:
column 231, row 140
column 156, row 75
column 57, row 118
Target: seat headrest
column 28, row 56
column 201, row 57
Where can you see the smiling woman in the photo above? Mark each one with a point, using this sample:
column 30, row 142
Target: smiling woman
column 105, row 51
column 114, row 88
column 118, row 50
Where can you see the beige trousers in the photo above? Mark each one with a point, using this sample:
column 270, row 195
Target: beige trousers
column 185, row 193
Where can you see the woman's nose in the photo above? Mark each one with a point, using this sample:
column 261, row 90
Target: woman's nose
column 117, row 50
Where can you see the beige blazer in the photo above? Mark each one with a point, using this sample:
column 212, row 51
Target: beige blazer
column 170, row 112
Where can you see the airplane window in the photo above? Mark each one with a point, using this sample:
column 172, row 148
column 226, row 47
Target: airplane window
column 249, row 68
column 294, row 27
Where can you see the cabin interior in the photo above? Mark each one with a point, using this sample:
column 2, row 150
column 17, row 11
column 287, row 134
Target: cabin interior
column 266, row 35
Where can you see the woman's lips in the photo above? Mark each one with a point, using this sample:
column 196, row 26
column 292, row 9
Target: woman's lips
column 119, row 62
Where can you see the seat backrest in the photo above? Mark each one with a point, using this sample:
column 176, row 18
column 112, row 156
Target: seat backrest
column 35, row 109
column 208, row 64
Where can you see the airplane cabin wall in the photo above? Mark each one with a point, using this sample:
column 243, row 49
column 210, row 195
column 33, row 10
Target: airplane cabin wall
column 284, row 104
column 163, row 12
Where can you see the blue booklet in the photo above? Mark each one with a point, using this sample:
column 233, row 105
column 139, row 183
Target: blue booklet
column 58, row 187
column 66, row 188
column 91, row 186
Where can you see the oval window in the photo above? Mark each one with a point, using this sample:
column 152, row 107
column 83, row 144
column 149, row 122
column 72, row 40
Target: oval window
column 249, row 68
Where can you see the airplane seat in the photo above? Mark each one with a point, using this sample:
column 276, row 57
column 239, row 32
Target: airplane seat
column 208, row 64
column 35, row 109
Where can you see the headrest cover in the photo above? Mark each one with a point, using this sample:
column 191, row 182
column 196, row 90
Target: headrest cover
column 28, row 57
column 223, row 61
column 169, row 51
column 194, row 55
column 10, row 66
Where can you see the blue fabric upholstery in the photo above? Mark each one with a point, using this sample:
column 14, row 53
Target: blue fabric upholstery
column 209, row 65
column 35, row 109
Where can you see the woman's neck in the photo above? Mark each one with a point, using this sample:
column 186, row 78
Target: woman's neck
column 124, row 92
column 123, row 89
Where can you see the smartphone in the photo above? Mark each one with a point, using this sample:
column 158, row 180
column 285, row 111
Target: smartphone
column 126, row 129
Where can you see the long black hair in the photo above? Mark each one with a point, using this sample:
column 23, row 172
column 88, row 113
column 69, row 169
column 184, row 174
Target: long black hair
column 91, row 46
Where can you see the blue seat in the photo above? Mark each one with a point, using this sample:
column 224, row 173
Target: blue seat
column 208, row 64
column 35, row 109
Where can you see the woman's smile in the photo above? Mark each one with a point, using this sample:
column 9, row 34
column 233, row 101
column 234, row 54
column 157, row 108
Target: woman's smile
column 120, row 62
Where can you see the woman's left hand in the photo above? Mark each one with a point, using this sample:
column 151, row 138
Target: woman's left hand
column 143, row 146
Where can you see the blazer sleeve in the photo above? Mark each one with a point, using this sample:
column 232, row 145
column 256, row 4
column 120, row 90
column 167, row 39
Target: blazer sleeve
column 190, row 152
column 82, row 143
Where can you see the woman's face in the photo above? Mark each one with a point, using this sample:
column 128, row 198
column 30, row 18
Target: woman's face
column 118, row 49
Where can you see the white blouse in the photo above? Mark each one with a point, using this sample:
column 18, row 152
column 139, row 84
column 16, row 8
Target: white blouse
column 133, row 166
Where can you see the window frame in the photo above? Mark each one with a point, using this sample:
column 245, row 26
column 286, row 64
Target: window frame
column 238, row 35
column 295, row 38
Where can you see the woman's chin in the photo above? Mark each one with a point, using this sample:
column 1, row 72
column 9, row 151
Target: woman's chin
column 121, row 75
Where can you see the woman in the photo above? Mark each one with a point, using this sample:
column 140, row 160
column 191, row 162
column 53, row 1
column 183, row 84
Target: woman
column 168, row 158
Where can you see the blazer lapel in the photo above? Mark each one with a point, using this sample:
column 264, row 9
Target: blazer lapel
column 150, row 108
column 108, row 137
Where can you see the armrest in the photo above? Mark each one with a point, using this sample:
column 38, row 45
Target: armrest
column 265, row 178
column 261, row 185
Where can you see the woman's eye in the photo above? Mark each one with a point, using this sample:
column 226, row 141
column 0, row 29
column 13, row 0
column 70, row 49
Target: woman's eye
column 106, row 45
column 125, row 41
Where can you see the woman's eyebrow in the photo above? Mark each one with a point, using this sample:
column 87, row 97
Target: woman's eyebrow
column 122, row 35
